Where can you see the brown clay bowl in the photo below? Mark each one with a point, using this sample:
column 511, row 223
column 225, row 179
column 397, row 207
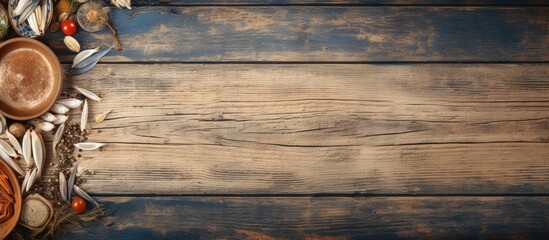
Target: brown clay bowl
column 30, row 78
column 7, row 226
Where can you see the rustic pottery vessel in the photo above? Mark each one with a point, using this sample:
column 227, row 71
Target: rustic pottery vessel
column 30, row 78
column 23, row 29
column 7, row 226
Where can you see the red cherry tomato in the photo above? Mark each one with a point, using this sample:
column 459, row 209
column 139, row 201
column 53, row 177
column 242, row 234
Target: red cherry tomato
column 78, row 205
column 68, row 26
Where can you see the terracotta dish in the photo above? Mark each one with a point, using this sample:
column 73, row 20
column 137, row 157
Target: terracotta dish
column 30, row 78
column 7, row 226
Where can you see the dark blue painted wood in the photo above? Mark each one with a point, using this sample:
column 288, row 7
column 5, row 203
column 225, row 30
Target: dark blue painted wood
column 319, row 218
column 339, row 2
column 322, row 34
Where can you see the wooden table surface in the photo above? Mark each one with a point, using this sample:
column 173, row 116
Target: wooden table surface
column 310, row 119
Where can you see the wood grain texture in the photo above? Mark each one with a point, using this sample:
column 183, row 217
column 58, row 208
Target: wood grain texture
column 319, row 218
column 271, row 129
column 322, row 34
column 337, row 2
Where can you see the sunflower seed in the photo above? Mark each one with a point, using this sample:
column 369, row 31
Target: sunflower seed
column 3, row 124
column 25, row 182
column 88, row 146
column 32, row 178
column 14, row 142
column 70, row 102
column 84, row 116
column 4, row 146
column 27, row 148
column 101, row 117
column 84, row 195
column 72, row 177
column 82, row 70
column 88, row 94
column 63, row 186
column 60, row 119
column 54, row 27
column 83, row 55
column 93, row 59
column 45, row 126
column 11, row 162
column 122, row 3
column 72, row 44
column 63, row 16
column 37, row 151
column 48, row 117
column 57, row 138
column 58, row 108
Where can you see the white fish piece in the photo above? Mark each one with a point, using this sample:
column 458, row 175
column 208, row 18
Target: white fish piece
column 27, row 11
column 88, row 63
column 27, row 148
column 44, row 17
column 25, row 182
column 59, row 109
column 100, row 117
column 72, row 44
column 14, row 143
column 57, row 138
column 85, row 195
column 32, row 178
column 38, row 19
column 4, row 146
column 20, row 6
column 32, row 24
column 46, row 126
column 83, row 55
column 11, row 163
column 84, row 116
column 88, row 146
column 63, row 186
column 72, row 178
column 88, row 94
column 70, row 102
column 60, row 119
column 37, row 151
column 48, row 117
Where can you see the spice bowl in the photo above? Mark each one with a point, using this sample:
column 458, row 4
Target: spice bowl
column 23, row 28
column 30, row 78
column 9, row 224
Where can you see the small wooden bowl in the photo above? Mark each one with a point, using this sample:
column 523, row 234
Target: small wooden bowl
column 24, row 30
column 7, row 226
column 30, row 78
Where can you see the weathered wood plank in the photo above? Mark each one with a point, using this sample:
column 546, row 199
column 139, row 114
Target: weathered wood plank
column 320, row 218
column 338, row 2
column 253, row 129
column 323, row 34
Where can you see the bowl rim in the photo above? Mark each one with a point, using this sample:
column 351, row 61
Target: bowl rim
column 55, row 64
column 14, row 182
